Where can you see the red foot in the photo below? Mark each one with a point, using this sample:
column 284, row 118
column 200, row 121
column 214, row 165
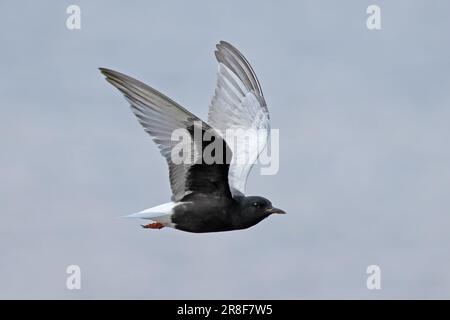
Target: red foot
column 155, row 225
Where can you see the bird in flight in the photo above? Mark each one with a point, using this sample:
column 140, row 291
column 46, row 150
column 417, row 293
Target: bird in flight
column 206, row 197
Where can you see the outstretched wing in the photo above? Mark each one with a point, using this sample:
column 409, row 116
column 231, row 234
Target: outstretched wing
column 238, row 104
column 160, row 116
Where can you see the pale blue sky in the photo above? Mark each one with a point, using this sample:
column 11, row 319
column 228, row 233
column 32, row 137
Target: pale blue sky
column 365, row 163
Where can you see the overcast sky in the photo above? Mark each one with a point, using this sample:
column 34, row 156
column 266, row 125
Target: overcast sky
column 365, row 158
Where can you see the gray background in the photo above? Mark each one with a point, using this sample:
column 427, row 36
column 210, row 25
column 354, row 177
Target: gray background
column 364, row 122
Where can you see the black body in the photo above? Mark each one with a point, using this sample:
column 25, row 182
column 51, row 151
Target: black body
column 202, row 213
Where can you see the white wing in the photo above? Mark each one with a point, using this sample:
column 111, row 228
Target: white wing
column 238, row 104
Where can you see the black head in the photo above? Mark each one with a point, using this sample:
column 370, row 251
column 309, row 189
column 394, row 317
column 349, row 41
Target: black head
column 258, row 208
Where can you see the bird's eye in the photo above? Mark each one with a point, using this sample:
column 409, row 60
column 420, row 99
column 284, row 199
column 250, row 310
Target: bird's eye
column 256, row 204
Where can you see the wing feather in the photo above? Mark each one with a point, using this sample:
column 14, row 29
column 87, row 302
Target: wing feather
column 160, row 116
column 238, row 104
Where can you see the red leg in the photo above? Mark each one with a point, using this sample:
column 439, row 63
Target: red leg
column 154, row 225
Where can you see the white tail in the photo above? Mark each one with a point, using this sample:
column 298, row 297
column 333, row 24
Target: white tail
column 161, row 212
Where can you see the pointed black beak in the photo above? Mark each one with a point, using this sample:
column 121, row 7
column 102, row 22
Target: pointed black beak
column 275, row 211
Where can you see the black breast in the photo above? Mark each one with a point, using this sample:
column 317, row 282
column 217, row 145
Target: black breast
column 205, row 214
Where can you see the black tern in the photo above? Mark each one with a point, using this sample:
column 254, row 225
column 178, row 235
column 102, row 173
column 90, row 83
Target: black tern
column 206, row 197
